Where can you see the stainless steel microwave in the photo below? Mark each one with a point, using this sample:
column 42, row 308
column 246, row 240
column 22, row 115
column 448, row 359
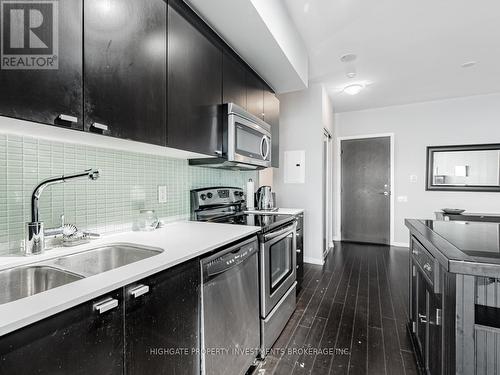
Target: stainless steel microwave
column 246, row 142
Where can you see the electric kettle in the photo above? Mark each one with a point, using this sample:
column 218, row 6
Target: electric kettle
column 265, row 198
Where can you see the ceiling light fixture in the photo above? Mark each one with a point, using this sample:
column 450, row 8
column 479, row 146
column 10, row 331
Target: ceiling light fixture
column 353, row 89
column 469, row 64
column 306, row 7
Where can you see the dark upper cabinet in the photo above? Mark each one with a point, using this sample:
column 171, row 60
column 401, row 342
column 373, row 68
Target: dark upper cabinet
column 42, row 95
column 234, row 88
column 125, row 69
column 162, row 311
column 78, row 341
column 194, row 83
column 272, row 117
column 255, row 94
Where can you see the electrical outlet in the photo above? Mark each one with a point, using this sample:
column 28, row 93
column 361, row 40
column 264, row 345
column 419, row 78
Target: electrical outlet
column 162, row 194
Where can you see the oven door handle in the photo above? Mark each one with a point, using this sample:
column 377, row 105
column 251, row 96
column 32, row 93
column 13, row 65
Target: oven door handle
column 270, row 236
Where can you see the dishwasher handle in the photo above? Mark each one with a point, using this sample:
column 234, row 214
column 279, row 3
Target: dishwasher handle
column 228, row 261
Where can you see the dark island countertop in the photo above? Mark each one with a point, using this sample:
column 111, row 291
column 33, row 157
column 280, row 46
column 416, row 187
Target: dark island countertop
column 470, row 248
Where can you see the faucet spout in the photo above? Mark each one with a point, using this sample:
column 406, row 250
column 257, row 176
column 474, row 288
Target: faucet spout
column 91, row 174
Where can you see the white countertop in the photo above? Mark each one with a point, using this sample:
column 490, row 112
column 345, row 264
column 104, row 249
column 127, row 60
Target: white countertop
column 279, row 211
column 179, row 241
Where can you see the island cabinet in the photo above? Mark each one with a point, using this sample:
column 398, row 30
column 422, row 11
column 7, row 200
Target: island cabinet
column 194, row 83
column 162, row 323
column 454, row 297
column 125, row 63
column 52, row 93
column 86, row 339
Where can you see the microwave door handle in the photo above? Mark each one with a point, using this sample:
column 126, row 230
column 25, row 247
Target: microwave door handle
column 262, row 146
column 268, row 147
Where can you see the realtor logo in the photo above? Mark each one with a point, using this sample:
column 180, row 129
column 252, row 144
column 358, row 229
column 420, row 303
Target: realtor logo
column 29, row 34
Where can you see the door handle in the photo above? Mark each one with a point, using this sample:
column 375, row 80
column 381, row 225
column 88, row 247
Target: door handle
column 422, row 318
column 386, row 193
column 139, row 290
column 106, row 305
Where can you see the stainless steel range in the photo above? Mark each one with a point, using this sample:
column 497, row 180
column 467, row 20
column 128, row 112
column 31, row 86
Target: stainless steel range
column 277, row 253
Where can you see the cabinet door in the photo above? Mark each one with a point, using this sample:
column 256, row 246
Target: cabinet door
column 165, row 317
column 234, row 88
column 43, row 95
column 255, row 94
column 272, row 117
column 435, row 335
column 194, row 83
column 422, row 316
column 78, row 341
column 125, row 69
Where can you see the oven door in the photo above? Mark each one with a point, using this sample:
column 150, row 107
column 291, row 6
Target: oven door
column 278, row 261
column 248, row 142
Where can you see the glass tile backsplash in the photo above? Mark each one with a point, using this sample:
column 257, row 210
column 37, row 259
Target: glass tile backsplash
column 128, row 182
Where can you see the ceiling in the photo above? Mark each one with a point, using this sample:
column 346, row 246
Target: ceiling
column 407, row 51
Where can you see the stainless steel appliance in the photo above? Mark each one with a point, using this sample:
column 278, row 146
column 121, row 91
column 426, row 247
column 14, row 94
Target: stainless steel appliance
column 230, row 300
column 246, row 142
column 265, row 198
column 277, row 253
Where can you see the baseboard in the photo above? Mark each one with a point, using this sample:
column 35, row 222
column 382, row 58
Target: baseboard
column 314, row 261
column 400, row 244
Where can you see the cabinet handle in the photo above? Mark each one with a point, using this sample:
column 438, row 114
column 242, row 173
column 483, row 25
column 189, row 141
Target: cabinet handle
column 439, row 316
column 106, row 305
column 427, row 267
column 218, row 153
column 415, row 252
column 67, row 118
column 299, row 251
column 139, row 290
column 423, row 318
column 99, row 126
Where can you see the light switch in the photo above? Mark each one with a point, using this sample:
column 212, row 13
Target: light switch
column 402, row 199
column 162, row 194
column 413, row 178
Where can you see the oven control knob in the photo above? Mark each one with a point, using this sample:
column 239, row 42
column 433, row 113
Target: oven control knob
column 210, row 195
column 203, row 197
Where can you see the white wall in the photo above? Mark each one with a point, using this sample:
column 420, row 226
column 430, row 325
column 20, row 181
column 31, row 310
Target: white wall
column 303, row 115
column 415, row 126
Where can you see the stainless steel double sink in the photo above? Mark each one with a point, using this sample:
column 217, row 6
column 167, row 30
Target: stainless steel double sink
column 25, row 281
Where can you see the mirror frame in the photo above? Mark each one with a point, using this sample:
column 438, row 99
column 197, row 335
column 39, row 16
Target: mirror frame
column 430, row 163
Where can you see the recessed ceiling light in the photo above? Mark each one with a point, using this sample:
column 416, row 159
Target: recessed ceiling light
column 306, row 7
column 353, row 89
column 348, row 57
column 469, row 64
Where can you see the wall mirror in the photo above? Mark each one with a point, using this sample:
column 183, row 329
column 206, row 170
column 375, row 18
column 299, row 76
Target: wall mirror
column 464, row 168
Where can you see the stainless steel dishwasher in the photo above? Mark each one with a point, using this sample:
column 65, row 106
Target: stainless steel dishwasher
column 230, row 300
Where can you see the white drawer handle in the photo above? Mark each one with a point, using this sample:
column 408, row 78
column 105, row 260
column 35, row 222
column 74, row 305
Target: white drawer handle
column 139, row 290
column 68, row 118
column 106, row 305
column 100, row 126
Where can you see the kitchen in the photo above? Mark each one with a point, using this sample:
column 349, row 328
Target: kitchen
column 248, row 187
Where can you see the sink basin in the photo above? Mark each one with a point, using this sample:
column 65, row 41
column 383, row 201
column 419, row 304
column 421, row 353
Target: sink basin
column 17, row 283
column 102, row 259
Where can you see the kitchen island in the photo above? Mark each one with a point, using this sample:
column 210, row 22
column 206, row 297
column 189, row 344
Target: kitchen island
column 454, row 296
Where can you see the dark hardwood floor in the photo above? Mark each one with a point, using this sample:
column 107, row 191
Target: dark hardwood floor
column 350, row 317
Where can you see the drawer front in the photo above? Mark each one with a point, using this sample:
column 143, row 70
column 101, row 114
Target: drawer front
column 425, row 261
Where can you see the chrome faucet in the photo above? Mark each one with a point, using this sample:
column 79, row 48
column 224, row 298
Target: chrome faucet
column 35, row 234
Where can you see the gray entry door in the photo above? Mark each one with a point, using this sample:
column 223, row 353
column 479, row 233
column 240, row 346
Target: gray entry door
column 365, row 203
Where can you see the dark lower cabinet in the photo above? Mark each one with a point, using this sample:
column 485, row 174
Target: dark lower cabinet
column 234, row 89
column 48, row 96
column 126, row 69
column 194, row 83
column 78, row 341
column 162, row 325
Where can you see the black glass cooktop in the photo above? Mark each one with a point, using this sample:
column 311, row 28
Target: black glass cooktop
column 266, row 222
column 477, row 239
